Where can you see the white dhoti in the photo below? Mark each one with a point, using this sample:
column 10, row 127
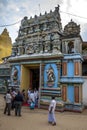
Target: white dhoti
column 51, row 118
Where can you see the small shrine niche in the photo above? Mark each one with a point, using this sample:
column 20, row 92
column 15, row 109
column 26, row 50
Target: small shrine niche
column 71, row 48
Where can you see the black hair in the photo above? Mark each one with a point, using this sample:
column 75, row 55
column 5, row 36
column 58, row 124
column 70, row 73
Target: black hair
column 53, row 97
column 8, row 91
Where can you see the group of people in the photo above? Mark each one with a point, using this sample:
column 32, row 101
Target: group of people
column 33, row 97
column 15, row 99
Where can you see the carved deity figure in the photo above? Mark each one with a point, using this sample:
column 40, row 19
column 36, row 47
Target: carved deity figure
column 14, row 75
column 50, row 74
column 30, row 49
column 24, row 21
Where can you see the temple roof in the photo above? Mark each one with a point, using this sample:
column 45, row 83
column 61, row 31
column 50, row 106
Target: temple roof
column 5, row 45
column 72, row 29
column 5, row 32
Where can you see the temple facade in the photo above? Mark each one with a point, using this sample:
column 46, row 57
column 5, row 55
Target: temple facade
column 49, row 58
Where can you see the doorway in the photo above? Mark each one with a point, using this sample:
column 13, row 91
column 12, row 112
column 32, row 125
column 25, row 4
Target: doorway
column 34, row 78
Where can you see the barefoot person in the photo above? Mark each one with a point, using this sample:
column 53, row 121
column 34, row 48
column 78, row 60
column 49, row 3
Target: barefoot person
column 51, row 114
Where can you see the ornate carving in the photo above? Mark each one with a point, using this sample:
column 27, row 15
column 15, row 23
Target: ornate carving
column 42, row 31
column 36, row 48
column 72, row 29
column 46, row 47
column 24, row 21
column 41, row 47
column 50, row 76
column 30, row 49
column 56, row 48
column 14, row 75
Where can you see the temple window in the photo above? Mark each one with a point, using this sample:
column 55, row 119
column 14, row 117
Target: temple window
column 71, row 48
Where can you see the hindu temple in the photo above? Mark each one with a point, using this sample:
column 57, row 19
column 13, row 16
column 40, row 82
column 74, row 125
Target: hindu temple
column 49, row 58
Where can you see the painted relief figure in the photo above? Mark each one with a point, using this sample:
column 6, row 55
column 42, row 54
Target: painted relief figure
column 14, row 75
column 50, row 74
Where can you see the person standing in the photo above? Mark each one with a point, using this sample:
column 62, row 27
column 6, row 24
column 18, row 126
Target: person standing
column 23, row 94
column 36, row 96
column 28, row 95
column 18, row 103
column 32, row 100
column 8, row 100
column 13, row 94
column 51, row 114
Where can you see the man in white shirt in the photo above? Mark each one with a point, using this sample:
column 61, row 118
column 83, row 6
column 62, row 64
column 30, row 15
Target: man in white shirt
column 32, row 97
column 8, row 103
column 51, row 114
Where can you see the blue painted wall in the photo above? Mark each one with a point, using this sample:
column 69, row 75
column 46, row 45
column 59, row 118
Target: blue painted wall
column 55, row 73
column 70, row 93
column 70, row 69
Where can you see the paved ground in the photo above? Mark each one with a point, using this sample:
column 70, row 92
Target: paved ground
column 37, row 120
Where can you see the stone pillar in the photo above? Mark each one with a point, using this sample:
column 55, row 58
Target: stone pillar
column 58, row 67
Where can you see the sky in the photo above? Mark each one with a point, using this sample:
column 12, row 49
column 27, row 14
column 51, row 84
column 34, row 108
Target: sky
column 13, row 11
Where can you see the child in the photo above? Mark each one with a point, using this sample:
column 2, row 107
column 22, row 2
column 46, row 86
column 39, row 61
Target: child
column 51, row 114
column 32, row 105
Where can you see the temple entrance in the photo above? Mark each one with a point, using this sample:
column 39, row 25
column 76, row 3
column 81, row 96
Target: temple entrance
column 34, row 78
column 30, row 77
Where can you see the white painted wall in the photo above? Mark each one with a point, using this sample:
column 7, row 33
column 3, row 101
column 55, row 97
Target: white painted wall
column 85, row 91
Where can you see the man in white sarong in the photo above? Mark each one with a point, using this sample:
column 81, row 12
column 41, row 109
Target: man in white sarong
column 51, row 114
